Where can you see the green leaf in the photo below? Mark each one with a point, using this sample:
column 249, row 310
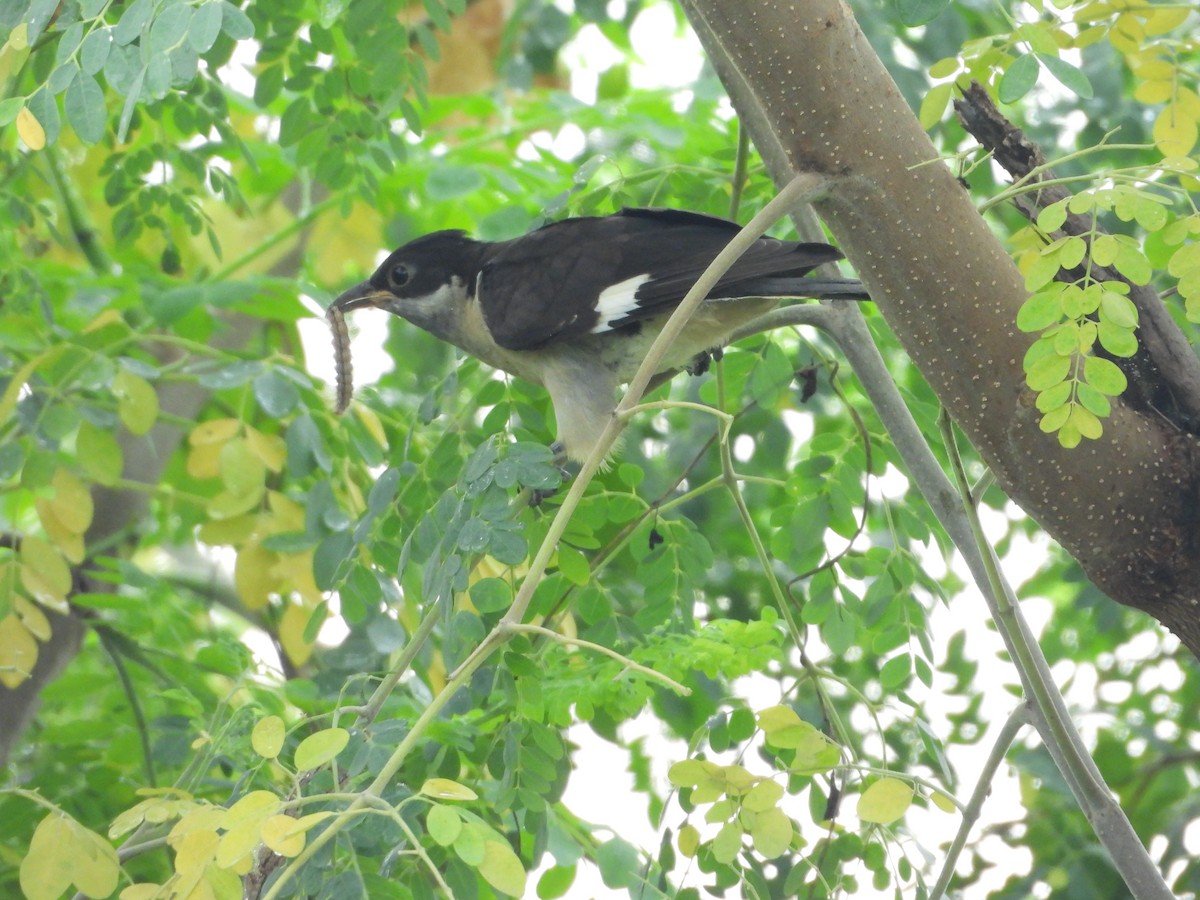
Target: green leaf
column 619, row 863
column 919, row 12
column 555, row 882
column 502, row 868
column 321, row 747
column 84, row 106
column 491, row 595
column 9, row 109
column 1053, row 216
column 1041, row 310
column 94, row 52
column 131, row 100
column 1054, row 397
column 445, row 789
column 99, row 453
column 885, row 801
column 896, row 671
column 235, row 23
column 573, row 565
column 205, row 27
column 771, row 833
column 1047, row 372
column 933, row 106
column 1018, row 79
column 170, row 25
column 1117, row 340
column 728, row 842
column 1104, row 375
column 133, row 20
column 276, row 394
column 268, row 736
column 443, row 824
column 1068, row 75
column 446, row 182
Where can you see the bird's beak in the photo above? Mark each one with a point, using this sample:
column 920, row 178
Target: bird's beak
column 361, row 296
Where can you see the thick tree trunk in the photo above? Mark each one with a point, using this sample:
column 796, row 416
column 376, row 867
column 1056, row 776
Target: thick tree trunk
column 816, row 98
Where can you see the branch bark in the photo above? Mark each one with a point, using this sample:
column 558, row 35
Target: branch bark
column 816, row 98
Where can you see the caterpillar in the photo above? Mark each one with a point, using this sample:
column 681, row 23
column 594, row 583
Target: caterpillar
column 341, row 358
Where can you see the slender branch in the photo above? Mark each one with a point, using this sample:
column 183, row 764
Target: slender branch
column 1017, row 720
column 848, row 328
column 82, row 228
column 368, row 712
column 607, row 651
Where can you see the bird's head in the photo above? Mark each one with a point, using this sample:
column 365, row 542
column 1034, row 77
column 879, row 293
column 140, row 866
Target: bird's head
column 427, row 282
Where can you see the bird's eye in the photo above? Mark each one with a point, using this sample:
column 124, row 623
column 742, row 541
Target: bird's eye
column 399, row 275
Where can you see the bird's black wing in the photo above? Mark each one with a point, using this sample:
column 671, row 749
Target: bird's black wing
column 593, row 274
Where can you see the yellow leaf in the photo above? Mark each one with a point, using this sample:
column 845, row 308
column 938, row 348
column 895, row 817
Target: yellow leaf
column 214, row 431
column 885, row 801
column 141, row 891
column 288, row 514
column 45, row 572
column 227, row 505
column 30, row 129
column 203, row 461
column 269, row 448
column 45, row 871
column 72, row 502
column 688, row 840
column 267, row 737
column 239, row 841
column 942, row 802
column 95, row 867
column 318, row 749
column 775, row 718
column 107, row 317
column 137, row 402
column 18, row 38
column 203, row 818
column 99, row 454
column 18, row 652
column 771, row 833
column 281, row 835
column 292, row 626
column 253, row 576
column 68, row 541
column 254, row 807
column 445, row 789
column 1153, row 91
column 195, row 851
column 1162, row 20
column 32, row 618
column 502, row 868
column 228, row 532
column 1174, row 131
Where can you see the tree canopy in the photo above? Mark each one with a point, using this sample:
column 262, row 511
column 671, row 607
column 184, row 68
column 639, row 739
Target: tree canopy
column 251, row 647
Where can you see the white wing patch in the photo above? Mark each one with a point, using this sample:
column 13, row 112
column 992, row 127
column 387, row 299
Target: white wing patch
column 617, row 301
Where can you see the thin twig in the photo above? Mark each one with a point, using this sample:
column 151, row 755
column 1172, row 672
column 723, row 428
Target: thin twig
column 1017, row 720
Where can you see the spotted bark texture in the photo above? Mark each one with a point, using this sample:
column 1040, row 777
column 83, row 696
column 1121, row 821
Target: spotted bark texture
column 816, row 98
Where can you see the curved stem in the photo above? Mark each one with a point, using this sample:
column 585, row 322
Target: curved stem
column 1017, row 720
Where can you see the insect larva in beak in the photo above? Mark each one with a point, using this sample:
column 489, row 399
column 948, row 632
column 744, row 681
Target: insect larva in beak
column 341, row 358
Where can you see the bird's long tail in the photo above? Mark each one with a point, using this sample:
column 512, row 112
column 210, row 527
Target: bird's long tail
column 807, row 287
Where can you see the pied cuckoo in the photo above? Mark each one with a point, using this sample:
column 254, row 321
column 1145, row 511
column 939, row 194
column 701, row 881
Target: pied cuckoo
column 574, row 305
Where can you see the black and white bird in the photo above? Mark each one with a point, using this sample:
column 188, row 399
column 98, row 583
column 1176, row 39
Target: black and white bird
column 574, row 305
